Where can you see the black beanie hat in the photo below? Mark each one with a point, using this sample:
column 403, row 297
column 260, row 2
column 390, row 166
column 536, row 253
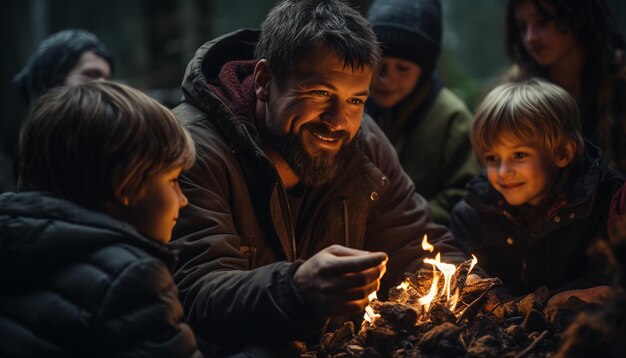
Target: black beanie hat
column 54, row 58
column 409, row 29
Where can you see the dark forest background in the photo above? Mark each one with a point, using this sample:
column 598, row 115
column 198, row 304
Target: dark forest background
column 152, row 40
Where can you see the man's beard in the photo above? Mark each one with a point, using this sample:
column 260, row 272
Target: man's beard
column 317, row 169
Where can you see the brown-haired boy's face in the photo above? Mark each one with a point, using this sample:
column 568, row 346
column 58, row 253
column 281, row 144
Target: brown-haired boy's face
column 155, row 211
column 523, row 173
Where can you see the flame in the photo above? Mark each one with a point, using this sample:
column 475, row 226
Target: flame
column 474, row 262
column 426, row 245
column 403, row 286
column 370, row 315
column 443, row 295
column 426, row 300
column 455, row 299
column 445, row 269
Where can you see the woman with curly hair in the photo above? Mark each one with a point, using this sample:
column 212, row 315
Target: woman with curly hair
column 575, row 44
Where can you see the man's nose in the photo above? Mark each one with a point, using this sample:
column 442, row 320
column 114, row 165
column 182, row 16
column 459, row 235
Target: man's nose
column 335, row 116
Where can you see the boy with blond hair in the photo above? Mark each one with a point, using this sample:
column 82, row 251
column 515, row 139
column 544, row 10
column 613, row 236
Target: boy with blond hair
column 543, row 197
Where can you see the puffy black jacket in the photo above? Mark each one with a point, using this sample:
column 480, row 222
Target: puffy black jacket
column 77, row 283
column 554, row 252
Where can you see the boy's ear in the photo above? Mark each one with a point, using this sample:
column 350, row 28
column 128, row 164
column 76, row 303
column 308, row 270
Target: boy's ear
column 567, row 154
column 262, row 76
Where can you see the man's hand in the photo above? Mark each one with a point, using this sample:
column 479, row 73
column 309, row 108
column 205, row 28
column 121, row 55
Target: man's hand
column 338, row 279
column 596, row 295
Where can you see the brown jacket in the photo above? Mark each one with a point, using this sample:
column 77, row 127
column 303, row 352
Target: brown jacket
column 238, row 245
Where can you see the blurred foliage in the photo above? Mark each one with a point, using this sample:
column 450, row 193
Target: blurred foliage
column 153, row 40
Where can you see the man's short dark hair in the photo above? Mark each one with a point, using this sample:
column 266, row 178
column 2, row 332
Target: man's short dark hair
column 295, row 28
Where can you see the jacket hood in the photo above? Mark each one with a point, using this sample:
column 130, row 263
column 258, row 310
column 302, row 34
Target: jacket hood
column 218, row 81
column 40, row 233
column 577, row 185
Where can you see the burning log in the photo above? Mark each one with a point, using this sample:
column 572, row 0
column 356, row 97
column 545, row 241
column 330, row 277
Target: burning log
column 443, row 340
column 332, row 343
column 440, row 312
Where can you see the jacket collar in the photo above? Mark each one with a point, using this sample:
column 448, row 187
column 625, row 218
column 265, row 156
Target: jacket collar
column 204, row 75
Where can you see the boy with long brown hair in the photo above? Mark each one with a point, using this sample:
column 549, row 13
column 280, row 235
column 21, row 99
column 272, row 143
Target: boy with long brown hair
column 82, row 245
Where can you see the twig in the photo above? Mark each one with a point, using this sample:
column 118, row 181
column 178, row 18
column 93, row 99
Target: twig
column 533, row 345
column 477, row 302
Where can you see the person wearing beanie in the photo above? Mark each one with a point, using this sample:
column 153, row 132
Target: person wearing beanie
column 425, row 121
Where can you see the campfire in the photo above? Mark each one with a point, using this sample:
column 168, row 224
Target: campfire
column 439, row 312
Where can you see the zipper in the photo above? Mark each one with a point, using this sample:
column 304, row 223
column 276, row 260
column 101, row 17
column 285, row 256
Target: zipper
column 346, row 229
column 289, row 220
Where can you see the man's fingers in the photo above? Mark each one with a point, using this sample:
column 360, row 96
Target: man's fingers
column 339, row 250
column 356, row 294
column 353, row 280
column 349, row 308
column 344, row 264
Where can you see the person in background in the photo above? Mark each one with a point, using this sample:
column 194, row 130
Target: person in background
column 544, row 197
column 83, row 247
column 298, row 204
column 575, row 44
column 425, row 121
column 66, row 58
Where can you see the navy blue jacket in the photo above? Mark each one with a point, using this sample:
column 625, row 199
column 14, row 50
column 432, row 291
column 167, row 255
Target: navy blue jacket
column 550, row 250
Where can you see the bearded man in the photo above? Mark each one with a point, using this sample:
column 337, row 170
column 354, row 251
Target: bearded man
column 297, row 202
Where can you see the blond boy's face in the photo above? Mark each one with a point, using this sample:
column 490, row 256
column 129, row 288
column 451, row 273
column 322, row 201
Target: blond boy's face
column 523, row 173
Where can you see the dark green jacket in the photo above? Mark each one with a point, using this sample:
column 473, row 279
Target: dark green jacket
column 430, row 131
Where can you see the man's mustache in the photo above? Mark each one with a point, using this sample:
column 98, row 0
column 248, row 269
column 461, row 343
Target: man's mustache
column 325, row 131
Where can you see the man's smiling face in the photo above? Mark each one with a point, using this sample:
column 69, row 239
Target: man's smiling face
column 314, row 113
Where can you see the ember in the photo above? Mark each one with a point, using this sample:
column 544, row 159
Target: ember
column 440, row 312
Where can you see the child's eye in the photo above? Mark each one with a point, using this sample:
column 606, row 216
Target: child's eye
column 402, row 68
column 356, row 101
column 490, row 158
column 520, row 155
